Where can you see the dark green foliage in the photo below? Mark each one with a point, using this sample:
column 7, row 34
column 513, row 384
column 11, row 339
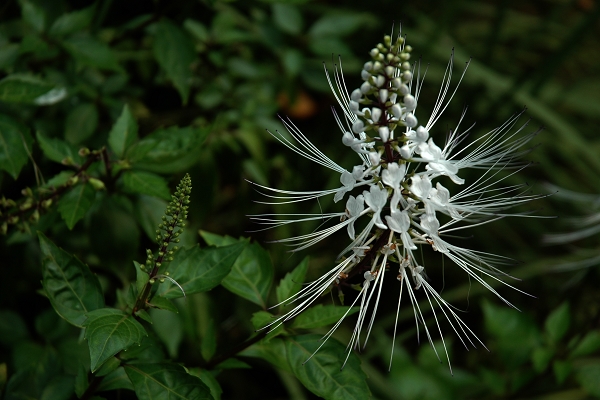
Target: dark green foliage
column 111, row 111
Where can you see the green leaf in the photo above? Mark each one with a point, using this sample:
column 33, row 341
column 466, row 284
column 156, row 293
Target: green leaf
column 148, row 211
column 141, row 277
column 33, row 14
column 108, row 367
column 165, row 381
column 22, row 88
column 321, row 315
column 123, row 133
column 322, row 374
column 561, row 369
column 506, row 324
column 587, row 376
column 233, row 363
column 261, row 319
column 81, row 123
column 197, row 29
column 117, row 379
column 252, row 275
column 287, row 18
column 273, row 351
column 541, row 357
column 174, row 51
column 169, row 329
column 15, row 140
column 212, row 239
column 201, row 269
column 292, row 281
column 163, row 304
column 73, row 290
column 209, row 380
column 90, row 52
column 557, row 323
column 589, row 344
column 108, row 331
column 146, row 183
column 57, row 150
column 170, row 150
column 75, row 204
column 338, row 24
column 72, row 22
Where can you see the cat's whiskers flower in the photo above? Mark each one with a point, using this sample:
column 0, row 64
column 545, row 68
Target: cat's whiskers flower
column 397, row 193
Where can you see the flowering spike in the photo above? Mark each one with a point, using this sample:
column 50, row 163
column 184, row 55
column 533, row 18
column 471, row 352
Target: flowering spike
column 397, row 185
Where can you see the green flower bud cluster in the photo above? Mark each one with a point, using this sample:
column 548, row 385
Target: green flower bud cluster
column 383, row 102
column 171, row 227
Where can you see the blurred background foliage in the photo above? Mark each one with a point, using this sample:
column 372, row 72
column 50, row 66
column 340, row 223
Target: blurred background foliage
column 216, row 74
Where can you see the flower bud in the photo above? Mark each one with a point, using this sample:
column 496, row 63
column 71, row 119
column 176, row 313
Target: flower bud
column 403, row 89
column 376, row 114
column 411, row 120
column 368, row 66
column 374, row 158
column 384, row 133
column 358, row 127
column 405, row 152
column 380, row 80
column 97, row 184
column 365, row 87
column 396, row 110
column 409, row 102
column 365, row 75
column 422, row 134
column 356, row 95
column 390, row 71
column 348, row 139
column 383, row 95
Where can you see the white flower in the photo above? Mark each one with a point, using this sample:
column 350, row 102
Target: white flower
column 404, row 190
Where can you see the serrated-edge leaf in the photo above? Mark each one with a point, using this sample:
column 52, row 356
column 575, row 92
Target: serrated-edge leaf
column 123, row 133
column 321, row 315
column 322, row 374
column 251, row 275
column 62, row 266
column 201, row 269
column 166, row 381
column 75, row 204
column 108, row 331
